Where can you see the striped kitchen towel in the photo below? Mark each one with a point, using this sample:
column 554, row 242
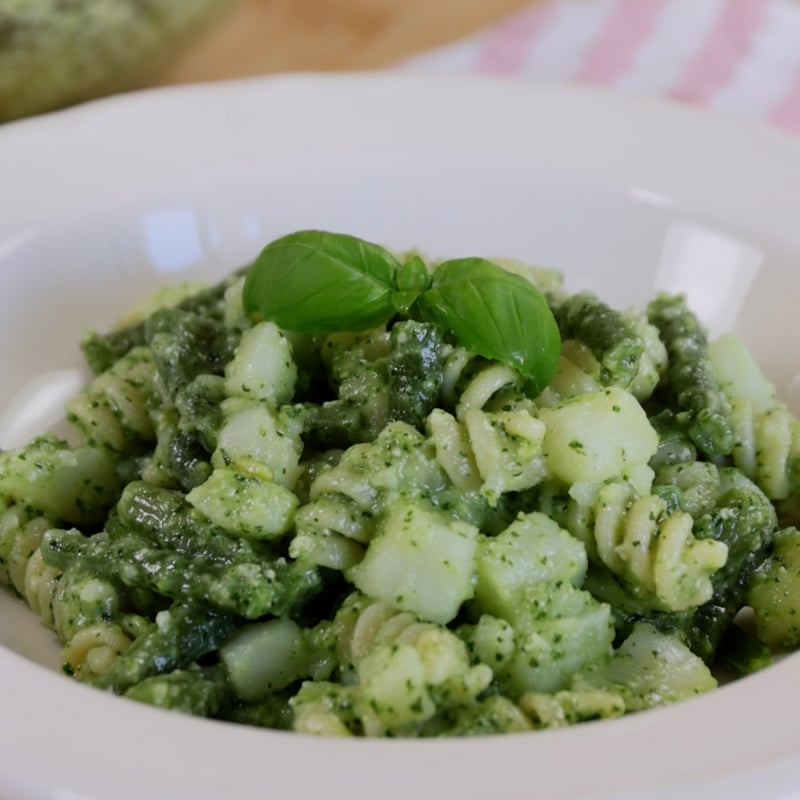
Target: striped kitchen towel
column 738, row 56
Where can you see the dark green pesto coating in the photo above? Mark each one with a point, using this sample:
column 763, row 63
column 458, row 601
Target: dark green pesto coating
column 273, row 711
column 249, row 589
column 741, row 654
column 611, row 337
column 181, row 634
column 742, row 517
column 201, row 691
column 199, row 407
column 186, row 432
column 354, row 406
column 674, row 444
column 180, row 455
column 416, row 366
column 332, row 424
column 165, row 519
column 745, row 520
column 101, row 350
column 690, row 384
column 186, row 344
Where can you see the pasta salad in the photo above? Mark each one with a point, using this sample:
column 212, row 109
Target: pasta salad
column 349, row 492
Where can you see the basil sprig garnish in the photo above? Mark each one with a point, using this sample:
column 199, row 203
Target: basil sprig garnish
column 316, row 282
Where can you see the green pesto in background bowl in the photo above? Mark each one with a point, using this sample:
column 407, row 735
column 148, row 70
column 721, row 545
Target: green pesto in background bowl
column 55, row 53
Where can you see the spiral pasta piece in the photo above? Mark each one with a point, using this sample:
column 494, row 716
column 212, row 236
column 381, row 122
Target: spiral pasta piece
column 767, row 434
column 481, row 457
column 92, row 650
column 405, row 672
column 653, row 551
column 114, row 409
column 580, row 371
column 21, row 564
column 653, row 362
column 490, row 452
column 67, row 601
column 82, row 599
column 470, row 381
column 569, row 706
column 347, row 499
column 690, row 384
column 40, row 587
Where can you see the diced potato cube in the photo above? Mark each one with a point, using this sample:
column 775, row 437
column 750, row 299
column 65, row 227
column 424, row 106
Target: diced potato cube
column 422, row 561
column 597, row 436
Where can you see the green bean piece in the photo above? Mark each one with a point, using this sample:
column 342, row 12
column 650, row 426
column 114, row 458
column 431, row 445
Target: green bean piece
column 165, row 519
column 745, row 521
column 249, row 589
column 198, row 691
column 180, row 457
column 331, row 425
column 199, row 406
column 672, row 496
column 188, row 460
column 101, row 350
column 741, row 654
column 699, row 483
column 674, row 445
column 273, row 712
column 181, row 635
column 610, row 336
column 690, row 382
column 416, row 366
column 742, row 517
column 358, row 409
column 186, row 345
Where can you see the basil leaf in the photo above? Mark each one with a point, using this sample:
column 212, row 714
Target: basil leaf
column 411, row 279
column 318, row 282
column 496, row 314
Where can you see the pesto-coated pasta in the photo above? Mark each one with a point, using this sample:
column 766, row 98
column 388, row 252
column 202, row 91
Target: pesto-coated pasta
column 651, row 549
column 767, row 444
column 470, row 381
column 116, row 408
column 347, row 499
column 491, row 452
column 580, row 371
column 690, row 384
column 569, row 706
column 407, row 671
column 773, row 590
column 612, row 339
column 22, row 567
column 409, row 529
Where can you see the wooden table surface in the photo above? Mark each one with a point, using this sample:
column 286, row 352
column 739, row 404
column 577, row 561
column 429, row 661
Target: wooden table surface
column 264, row 36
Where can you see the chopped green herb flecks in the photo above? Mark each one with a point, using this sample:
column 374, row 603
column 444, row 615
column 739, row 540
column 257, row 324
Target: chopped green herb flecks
column 349, row 492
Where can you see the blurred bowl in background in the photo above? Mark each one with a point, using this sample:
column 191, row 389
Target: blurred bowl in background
column 55, row 53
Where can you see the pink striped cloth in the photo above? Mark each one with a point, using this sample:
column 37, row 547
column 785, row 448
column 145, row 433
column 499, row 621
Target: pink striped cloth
column 737, row 56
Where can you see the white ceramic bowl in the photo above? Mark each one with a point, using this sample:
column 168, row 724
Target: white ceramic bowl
column 102, row 202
